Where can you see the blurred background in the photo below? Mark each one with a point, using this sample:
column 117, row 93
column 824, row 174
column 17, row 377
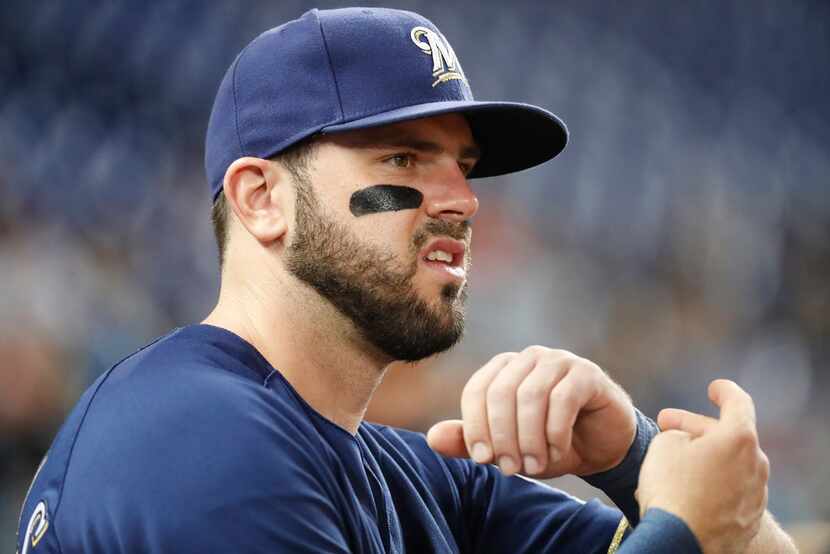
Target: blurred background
column 683, row 235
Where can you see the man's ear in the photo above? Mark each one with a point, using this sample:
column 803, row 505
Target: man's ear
column 257, row 192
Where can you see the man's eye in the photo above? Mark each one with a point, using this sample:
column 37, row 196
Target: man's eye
column 401, row 160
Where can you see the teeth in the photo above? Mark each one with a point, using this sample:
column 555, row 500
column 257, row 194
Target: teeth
column 440, row 255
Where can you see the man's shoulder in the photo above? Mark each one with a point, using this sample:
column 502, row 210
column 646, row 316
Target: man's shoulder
column 197, row 355
column 169, row 424
column 182, row 394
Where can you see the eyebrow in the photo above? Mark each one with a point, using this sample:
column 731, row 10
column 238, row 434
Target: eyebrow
column 396, row 140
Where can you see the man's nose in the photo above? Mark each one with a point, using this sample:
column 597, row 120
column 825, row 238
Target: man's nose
column 450, row 197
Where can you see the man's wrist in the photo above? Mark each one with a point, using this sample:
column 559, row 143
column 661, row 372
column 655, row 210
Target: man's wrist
column 620, row 482
column 626, row 474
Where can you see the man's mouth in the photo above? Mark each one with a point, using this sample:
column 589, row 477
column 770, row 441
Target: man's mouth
column 447, row 256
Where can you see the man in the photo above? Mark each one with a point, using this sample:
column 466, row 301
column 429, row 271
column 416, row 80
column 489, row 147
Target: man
column 339, row 154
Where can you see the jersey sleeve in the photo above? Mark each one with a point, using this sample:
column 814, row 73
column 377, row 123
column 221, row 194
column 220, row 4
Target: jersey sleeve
column 36, row 531
column 516, row 514
column 658, row 532
column 620, row 483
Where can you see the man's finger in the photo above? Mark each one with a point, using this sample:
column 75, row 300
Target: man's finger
column 682, row 420
column 447, row 438
column 532, row 399
column 566, row 400
column 735, row 404
column 501, row 411
column 474, row 408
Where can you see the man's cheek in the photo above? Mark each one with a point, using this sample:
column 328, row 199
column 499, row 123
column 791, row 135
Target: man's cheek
column 384, row 198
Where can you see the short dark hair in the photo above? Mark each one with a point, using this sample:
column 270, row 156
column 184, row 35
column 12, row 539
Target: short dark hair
column 295, row 159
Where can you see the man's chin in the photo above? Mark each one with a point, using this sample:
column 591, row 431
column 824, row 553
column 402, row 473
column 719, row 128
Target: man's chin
column 434, row 333
column 447, row 308
column 424, row 350
column 451, row 293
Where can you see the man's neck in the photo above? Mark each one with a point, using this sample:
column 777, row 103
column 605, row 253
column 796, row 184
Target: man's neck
column 311, row 344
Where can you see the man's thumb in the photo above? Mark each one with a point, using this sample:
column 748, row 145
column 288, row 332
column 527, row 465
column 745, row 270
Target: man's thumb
column 683, row 420
column 447, row 438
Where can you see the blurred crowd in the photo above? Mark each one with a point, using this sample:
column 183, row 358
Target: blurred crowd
column 683, row 235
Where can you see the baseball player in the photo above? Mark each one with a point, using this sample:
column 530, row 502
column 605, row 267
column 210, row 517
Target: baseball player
column 339, row 154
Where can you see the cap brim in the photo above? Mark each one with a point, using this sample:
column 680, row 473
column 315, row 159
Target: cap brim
column 512, row 136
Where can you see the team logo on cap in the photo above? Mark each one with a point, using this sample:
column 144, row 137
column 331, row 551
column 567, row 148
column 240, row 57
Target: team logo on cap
column 445, row 66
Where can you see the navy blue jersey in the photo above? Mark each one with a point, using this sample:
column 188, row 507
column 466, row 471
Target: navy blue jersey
column 196, row 444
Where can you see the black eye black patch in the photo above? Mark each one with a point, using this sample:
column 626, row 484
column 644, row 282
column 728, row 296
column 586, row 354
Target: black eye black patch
column 384, row 198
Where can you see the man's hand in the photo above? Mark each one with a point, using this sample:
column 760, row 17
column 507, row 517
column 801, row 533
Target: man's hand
column 543, row 412
column 710, row 473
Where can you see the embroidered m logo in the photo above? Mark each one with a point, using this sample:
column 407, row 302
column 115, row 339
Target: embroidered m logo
column 445, row 65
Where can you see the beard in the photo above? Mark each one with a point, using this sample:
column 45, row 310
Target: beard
column 373, row 288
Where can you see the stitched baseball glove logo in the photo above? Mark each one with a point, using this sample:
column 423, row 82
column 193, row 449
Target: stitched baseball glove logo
column 38, row 524
column 445, row 66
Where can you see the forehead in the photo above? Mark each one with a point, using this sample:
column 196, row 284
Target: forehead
column 449, row 131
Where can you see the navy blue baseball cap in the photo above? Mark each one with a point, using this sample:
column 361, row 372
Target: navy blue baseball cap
column 336, row 70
